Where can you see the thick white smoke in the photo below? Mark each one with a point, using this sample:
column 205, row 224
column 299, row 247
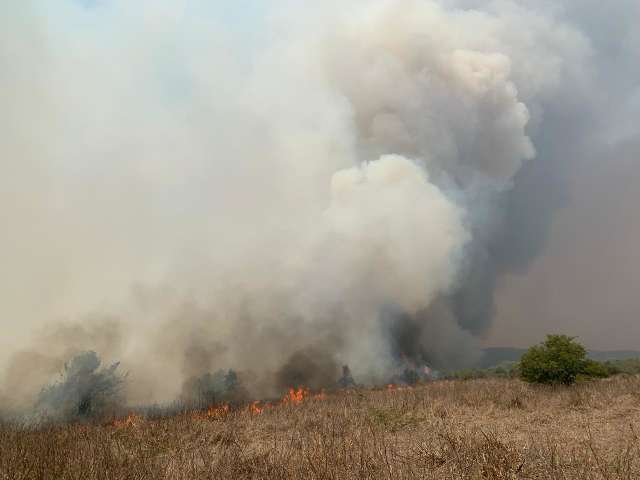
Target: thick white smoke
column 231, row 204
column 404, row 258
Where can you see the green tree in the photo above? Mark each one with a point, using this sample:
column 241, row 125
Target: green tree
column 558, row 360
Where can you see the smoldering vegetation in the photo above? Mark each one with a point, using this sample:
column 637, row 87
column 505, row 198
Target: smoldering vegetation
column 85, row 391
column 350, row 190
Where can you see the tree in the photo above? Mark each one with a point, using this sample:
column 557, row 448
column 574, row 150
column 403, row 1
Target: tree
column 346, row 380
column 560, row 359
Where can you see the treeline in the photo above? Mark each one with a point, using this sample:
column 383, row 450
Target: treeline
column 628, row 366
column 560, row 359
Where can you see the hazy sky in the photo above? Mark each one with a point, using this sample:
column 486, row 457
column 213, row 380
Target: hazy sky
column 587, row 279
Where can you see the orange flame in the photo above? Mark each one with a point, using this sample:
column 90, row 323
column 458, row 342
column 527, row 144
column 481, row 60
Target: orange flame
column 212, row 413
column 217, row 411
column 255, row 408
column 295, row 397
column 391, row 386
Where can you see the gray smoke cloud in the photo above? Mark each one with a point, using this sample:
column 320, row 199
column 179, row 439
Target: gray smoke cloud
column 356, row 184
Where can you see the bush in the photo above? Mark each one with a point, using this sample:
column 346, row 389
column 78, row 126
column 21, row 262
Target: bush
column 629, row 366
column 210, row 389
column 504, row 370
column 84, row 391
column 559, row 360
column 593, row 369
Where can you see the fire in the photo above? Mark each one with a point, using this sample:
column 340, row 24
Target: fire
column 212, row 413
column 217, row 411
column 255, row 407
column 130, row 420
column 391, row 386
column 295, row 396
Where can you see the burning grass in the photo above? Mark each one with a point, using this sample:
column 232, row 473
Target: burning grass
column 496, row 429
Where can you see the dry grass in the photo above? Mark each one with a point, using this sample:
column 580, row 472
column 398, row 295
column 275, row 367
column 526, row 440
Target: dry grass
column 446, row 430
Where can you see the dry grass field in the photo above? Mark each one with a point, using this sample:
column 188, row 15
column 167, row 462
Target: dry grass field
column 500, row 429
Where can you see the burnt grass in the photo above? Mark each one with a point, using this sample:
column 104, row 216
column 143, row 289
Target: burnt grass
column 480, row 429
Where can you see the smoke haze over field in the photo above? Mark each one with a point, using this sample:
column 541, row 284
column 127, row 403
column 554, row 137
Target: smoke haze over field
column 368, row 184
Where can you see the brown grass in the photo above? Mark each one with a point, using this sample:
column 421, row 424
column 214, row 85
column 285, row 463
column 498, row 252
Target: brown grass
column 485, row 429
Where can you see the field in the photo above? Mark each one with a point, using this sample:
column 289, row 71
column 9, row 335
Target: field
column 500, row 429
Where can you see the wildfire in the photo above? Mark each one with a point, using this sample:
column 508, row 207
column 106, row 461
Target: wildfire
column 255, row 407
column 295, row 396
column 214, row 412
column 130, row 420
column 391, row 386
column 218, row 411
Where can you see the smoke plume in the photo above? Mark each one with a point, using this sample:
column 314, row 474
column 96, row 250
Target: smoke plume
column 328, row 185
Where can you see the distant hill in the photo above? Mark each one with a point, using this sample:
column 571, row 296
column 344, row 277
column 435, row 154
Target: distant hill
column 496, row 355
column 602, row 356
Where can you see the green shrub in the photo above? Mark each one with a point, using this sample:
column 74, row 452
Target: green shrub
column 629, row 366
column 559, row 360
column 593, row 369
column 504, row 370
